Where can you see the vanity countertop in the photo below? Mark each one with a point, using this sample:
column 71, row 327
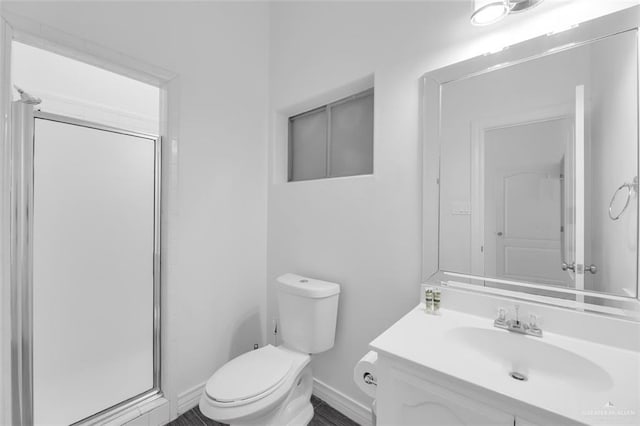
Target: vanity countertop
column 591, row 383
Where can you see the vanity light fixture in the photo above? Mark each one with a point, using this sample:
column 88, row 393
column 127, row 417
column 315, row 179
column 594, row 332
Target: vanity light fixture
column 516, row 6
column 487, row 12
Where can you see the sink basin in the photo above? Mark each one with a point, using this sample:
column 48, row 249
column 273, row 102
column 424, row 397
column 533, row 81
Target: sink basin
column 530, row 357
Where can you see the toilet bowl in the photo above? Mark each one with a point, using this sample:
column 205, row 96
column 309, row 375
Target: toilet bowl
column 272, row 385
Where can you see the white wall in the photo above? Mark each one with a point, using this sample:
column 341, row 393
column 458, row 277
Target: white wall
column 365, row 232
column 214, row 292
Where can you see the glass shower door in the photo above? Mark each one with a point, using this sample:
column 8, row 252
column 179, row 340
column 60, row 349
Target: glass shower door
column 95, row 269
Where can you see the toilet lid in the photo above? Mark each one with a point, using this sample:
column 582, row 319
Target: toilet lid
column 249, row 375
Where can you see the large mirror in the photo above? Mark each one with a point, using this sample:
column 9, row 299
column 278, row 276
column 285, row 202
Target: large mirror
column 535, row 188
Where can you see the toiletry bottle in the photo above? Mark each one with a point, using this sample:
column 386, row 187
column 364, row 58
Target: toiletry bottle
column 436, row 300
column 428, row 300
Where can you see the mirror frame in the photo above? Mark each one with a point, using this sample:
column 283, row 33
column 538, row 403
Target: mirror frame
column 431, row 93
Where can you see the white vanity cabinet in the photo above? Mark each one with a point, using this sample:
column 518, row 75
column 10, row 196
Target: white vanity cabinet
column 456, row 369
column 405, row 398
column 409, row 395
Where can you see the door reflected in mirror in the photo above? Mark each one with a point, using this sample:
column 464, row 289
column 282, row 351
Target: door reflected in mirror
column 523, row 188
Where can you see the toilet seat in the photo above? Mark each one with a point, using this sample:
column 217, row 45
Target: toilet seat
column 250, row 377
column 266, row 398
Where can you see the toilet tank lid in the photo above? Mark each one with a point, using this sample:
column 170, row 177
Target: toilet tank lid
column 307, row 287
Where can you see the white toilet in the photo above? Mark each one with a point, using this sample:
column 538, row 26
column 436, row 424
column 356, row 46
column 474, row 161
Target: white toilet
column 272, row 385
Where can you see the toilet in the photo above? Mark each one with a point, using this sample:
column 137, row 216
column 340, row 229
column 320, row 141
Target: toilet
column 272, row 385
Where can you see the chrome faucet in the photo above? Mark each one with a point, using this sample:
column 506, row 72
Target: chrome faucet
column 517, row 326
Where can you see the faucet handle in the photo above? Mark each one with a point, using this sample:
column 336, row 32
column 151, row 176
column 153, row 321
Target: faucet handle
column 502, row 314
column 533, row 322
column 501, row 321
column 534, row 329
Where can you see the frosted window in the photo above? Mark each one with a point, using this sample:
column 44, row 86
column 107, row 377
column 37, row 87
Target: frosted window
column 352, row 137
column 334, row 140
column 308, row 146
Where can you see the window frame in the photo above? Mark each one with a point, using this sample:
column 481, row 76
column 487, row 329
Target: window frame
column 327, row 108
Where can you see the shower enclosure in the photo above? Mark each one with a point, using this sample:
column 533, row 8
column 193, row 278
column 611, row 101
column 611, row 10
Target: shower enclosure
column 85, row 265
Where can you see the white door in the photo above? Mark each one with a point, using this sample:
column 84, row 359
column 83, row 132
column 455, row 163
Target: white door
column 523, row 188
column 527, row 231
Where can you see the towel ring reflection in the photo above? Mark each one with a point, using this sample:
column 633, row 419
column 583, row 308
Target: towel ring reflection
column 631, row 188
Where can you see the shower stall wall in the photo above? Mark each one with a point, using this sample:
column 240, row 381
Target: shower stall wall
column 86, row 264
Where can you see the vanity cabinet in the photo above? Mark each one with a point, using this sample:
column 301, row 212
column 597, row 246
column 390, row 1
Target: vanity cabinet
column 415, row 401
column 411, row 395
column 457, row 369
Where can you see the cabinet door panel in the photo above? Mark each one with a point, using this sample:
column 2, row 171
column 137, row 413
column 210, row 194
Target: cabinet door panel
column 418, row 402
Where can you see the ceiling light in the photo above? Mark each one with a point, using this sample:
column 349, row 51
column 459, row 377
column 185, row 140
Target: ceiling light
column 487, row 12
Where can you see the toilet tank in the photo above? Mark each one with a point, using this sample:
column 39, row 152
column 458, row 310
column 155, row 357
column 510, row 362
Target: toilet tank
column 308, row 310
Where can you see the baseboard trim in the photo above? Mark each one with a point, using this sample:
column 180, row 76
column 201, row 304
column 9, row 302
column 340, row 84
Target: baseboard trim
column 190, row 398
column 351, row 408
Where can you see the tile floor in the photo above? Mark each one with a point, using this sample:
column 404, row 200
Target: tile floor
column 323, row 415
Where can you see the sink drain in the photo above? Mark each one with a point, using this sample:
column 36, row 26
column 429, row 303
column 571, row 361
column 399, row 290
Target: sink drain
column 518, row 376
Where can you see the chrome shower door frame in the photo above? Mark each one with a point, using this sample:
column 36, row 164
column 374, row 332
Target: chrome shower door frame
column 21, row 265
column 21, row 262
